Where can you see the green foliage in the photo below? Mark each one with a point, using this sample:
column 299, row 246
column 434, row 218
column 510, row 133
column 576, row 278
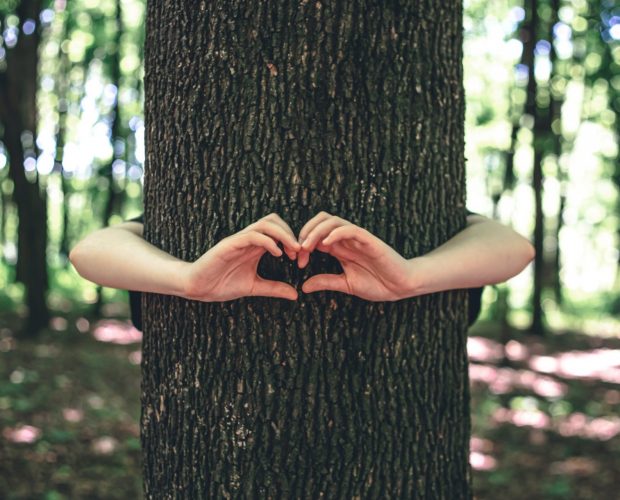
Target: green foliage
column 69, row 370
column 557, row 487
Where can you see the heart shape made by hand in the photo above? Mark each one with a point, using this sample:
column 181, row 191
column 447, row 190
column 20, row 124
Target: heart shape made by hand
column 373, row 270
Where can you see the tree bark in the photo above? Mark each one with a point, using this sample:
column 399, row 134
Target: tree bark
column 297, row 107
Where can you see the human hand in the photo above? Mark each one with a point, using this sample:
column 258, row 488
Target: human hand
column 373, row 270
column 228, row 270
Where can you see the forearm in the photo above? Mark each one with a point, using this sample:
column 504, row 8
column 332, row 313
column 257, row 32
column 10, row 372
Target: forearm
column 118, row 258
column 483, row 253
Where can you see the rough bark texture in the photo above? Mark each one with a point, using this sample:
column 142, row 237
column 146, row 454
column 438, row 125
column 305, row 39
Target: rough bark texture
column 356, row 108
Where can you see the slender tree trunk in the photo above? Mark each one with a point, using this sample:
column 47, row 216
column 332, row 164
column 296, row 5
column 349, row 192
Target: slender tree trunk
column 296, row 107
column 114, row 195
column 555, row 121
column 113, row 200
column 18, row 86
column 62, row 85
column 607, row 71
column 531, row 108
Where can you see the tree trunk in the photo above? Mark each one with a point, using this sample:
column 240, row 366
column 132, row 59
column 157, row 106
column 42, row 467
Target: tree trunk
column 114, row 194
column 62, row 92
column 18, row 88
column 294, row 108
column 554, row 123
column 538, row 325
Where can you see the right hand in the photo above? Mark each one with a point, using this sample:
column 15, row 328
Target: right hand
column 227, row 271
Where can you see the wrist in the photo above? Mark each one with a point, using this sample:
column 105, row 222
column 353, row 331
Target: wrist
column 417, row 282
column 179, row 279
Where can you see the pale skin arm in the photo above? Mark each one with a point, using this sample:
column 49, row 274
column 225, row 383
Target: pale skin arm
column 484, row 252
column 119, row 257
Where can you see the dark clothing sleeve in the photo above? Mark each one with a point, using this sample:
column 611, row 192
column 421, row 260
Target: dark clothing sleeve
column 135, row 298
column 475, row 296
column 140, row 218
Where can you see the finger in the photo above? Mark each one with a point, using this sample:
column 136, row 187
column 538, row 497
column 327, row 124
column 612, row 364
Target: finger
column 311, row 224
column 303, row 257
column 338, row 250
column 350, row 231
column 255, row 238
column 321, row 231
column 270, row 288
column 275, row 218
column 304, row 254
column 336, row 282
column 278, row 233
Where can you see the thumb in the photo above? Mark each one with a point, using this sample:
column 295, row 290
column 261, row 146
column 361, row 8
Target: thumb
column 271, row 288
column 318, row 282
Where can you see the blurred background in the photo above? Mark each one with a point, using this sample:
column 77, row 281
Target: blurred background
column 542, row 80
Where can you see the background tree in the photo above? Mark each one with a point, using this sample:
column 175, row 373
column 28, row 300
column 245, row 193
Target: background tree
column 353, row 108
column 18, row 115
column 69, row 398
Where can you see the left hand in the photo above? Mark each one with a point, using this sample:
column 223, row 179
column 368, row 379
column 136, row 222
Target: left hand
column 373, row 270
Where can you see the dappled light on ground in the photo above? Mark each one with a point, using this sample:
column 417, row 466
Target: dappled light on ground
column 480, row 461
column 545, row 413
column 603, row 364
column 135, row 357
column 21, row 433
column 104, row 445
column 479, row 456
column 72, row 414
column 483, row 349
column 117, row 332
column 547, row 376
column 575, row 424
column 579, row 466
column 488, row 350
column 70, row 411
column 504, row 380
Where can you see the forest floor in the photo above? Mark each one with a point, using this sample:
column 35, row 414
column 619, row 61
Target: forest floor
column 545, row 413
